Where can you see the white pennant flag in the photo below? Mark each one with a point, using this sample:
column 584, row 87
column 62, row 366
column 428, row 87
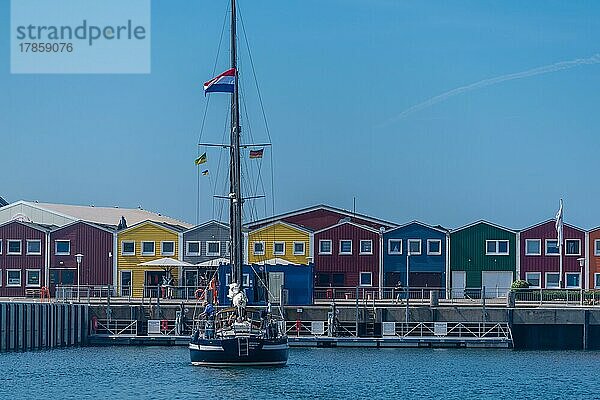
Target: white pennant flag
column 559, row 224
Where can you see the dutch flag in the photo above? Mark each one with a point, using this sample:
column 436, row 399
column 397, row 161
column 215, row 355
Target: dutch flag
column 224, row 83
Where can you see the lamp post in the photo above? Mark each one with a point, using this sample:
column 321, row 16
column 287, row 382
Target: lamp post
column 78, row 257
column 582, row 278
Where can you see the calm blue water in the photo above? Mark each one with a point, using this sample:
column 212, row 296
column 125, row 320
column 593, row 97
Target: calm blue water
column 165, row 373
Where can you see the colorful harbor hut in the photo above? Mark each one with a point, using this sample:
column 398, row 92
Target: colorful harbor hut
column 283, row 240
column 540, row 259
column 98, row 264
column 143, row 242
column 424, row 247
column 347, row 255
column 203, row 244
column 23, row 258
column 593, row 259
column 482, row 255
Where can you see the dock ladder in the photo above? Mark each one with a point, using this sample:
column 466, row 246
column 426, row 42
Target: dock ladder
column 243, row 346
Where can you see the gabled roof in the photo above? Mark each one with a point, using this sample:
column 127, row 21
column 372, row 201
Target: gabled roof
column 482, row 221
column 553, row 221
column 367, row 228
column 173, row 228
column 103, row 215
column 288, row 224
column 39, row 227
column 435, row 228
column 107, row 228
column 207, row 223
column 321, row 207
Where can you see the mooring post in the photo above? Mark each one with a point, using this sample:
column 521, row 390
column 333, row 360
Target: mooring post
column 28, row 326
column 36, row 326
column 3, row 308
column 356, row 315
column 586, row 328
column 12, row 327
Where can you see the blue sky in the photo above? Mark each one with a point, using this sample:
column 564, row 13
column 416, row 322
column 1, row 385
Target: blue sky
column 332, row 75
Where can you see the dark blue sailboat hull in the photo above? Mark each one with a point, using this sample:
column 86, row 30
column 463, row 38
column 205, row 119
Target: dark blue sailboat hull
column 239, row 351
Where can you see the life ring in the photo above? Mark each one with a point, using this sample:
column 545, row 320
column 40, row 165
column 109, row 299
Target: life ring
column 164, row 325
column 198, row 294
column 94, row 323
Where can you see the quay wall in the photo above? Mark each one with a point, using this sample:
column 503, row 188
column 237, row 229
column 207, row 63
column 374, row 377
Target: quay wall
column 37, row 326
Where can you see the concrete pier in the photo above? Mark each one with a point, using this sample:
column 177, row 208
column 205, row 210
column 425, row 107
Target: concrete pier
column 35, row 326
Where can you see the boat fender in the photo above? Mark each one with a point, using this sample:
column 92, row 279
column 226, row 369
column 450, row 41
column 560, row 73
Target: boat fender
column 94, row 324
column 198, row 294
column 164, row 325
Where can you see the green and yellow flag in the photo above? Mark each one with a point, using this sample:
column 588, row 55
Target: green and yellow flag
column 205, row 172
column 201, row 160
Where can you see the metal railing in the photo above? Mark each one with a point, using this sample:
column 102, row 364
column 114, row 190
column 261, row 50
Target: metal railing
column 114, row 327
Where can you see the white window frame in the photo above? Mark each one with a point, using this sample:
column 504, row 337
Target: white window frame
column 258, row 253
column 330, row 246
column 578, row 280
column 37, row 253
column 345, row 253
column 297, row 253
column 27, row 271
column 213, row 253
column 390, row 246
column 409, row 241
column 546, row 280
column 596, row 247
column 245, row 280
column 546, row 248
column 187, row 248
column 365, row 252
column 596, row 275
column 62, row 253
column 20, row 277
column 121, row 287
column 496, row 252
column 147, row 253
column 573, row 240
column 539, row 241
column 0, row 278
column 8, row 252
column 360, row 279
column 167, row 253
column 1, row 249
column 279, row 253
column 539, row 276
column 434, row 253
column 123, row 253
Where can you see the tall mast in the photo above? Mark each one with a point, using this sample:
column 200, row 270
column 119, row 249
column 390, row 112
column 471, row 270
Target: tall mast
column 235, row 191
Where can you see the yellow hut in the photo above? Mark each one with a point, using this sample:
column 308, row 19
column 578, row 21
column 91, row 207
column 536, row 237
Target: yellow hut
column 280, row 240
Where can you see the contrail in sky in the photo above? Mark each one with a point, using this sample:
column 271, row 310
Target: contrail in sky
column 546, row 69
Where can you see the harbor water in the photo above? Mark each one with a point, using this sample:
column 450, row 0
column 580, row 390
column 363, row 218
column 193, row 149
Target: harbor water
column 165, row 373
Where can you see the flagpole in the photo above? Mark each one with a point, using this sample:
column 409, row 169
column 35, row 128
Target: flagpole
column 198, row 196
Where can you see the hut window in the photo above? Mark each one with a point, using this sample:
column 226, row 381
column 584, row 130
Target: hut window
column 13, row 277
column 324, row 246
column 366, row 279
column 259, row 248
column 534, row 279
column 147, row 248
column 192, row 248
column 496, row 247
column 366, row 247
column 573, row 280
column 167, row 248
column 434, row 247
column 551, row 247
column 414, row 247
column 33, row 277
column 533, row 247
column 213, row 248
column 395, row 246
column 572, row 247
column 0, row 253
column 597, row 281
column 34, row 247
column 14, row 247
column 596, row 247
column 552, row 280
column 278, row 248
column 298, row 248
column 62, row 247
column 128, row 248
column 345, row 246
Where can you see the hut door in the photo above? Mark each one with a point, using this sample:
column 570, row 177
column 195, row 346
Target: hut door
column 459, row 281
column 275, row 283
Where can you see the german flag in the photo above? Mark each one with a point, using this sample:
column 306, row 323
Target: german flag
column 256, row 153
column 201, row 160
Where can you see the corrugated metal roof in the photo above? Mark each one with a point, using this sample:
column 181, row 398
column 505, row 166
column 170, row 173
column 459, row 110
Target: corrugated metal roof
column 108, row 215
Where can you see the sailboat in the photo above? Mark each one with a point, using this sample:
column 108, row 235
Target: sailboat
column 239, row 335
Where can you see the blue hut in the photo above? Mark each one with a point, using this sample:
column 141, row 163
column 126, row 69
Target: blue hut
column 262, row 283
column 426, row 249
